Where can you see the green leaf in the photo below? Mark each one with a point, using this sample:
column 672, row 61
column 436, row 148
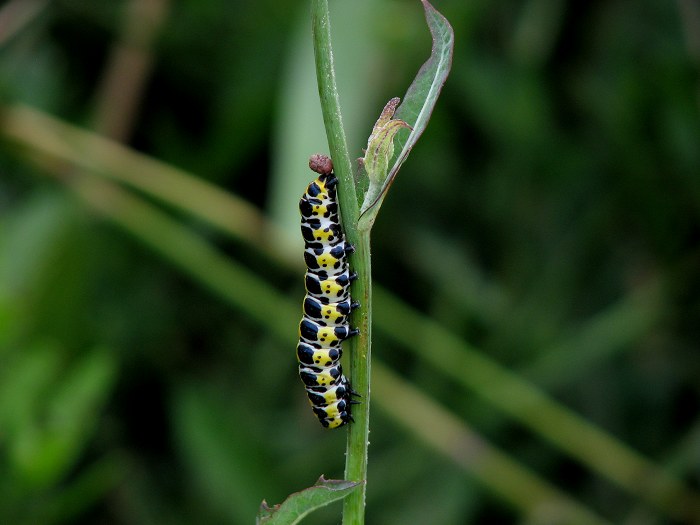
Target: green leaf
column 418, row 104
column 299, row 504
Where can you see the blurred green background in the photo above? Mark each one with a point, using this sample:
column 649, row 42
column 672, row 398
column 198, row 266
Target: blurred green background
column 537, row 309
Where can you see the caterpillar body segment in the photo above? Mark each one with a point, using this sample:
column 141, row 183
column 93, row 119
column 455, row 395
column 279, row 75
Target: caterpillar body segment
column 311, row 332
column 327, row 303
column 317, row 208
column 327, row 396
column 318, row 232
column 323, row 357
column 328, row 313
column 329, row 289
column 329, row 259
column 321, row 376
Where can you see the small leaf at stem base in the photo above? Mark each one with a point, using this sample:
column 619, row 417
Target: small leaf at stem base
column 301, row 503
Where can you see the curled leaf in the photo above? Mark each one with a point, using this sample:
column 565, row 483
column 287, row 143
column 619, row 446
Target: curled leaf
column 380, row 149
column 414, row 113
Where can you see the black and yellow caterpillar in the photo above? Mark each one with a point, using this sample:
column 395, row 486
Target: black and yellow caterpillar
column 327, row 304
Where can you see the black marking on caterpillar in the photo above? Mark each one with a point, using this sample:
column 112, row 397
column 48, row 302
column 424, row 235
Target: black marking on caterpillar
column 327, row 304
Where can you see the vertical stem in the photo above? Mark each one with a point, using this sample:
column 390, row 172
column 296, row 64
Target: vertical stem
column 358, row 432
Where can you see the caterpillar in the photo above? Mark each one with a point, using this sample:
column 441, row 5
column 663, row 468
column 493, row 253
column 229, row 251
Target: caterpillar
column 327, row 303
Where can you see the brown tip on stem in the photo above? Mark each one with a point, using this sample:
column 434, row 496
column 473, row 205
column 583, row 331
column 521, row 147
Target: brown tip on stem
column 321, row 164
column 393, row 103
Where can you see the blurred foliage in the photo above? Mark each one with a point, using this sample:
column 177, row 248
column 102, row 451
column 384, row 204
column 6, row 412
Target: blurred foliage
column 541, row 245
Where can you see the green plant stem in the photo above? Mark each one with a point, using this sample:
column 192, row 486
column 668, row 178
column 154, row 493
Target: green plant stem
column 360, row 368
column 358, row 432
